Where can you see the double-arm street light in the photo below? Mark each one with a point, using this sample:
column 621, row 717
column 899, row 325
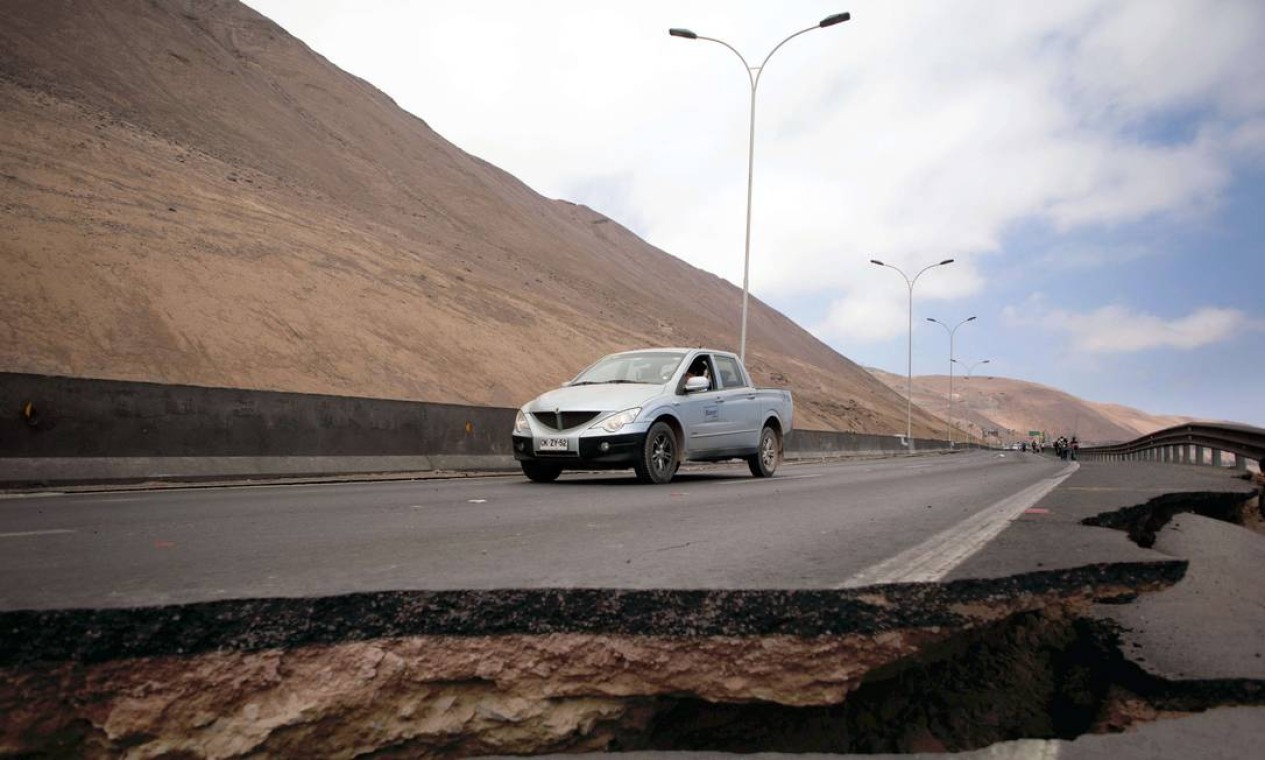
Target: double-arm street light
column 971, row 366
column 753, row 75
column 909, row 390
column 951, row 333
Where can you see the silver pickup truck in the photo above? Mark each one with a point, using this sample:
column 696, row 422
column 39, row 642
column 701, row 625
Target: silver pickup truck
column 651, row 410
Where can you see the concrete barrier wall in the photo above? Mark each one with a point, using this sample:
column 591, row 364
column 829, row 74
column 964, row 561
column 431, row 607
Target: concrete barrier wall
column 813, row 444
column 62, row 430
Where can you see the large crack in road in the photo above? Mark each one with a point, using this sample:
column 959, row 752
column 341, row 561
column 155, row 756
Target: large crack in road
column 448, row 674
column 451, row 674
column 1143, row 522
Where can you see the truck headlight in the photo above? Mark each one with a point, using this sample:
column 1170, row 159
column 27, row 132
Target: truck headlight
column 521, row 426
column 615, row 422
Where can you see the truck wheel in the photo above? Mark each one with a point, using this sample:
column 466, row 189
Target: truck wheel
column 540, row 472
column 764, row 462
column 657, row 462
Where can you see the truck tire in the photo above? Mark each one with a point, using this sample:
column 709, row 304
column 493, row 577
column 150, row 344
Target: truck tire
column 657, row 462
column 541, row 472
column 764, row 462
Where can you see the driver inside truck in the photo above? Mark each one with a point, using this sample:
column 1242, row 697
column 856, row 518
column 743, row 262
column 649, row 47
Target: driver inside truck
column 699, row 368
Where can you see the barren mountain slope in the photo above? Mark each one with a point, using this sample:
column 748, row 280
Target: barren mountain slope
column 190, row 195
column 1014, row 407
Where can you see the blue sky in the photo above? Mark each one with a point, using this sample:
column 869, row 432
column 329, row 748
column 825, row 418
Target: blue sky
column 1095, row 167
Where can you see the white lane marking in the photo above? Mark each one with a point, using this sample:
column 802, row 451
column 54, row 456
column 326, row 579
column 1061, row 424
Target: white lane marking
column 767, row 480
column 40, row 495
column 476, row 501
column 37, row 533
column 937, row 556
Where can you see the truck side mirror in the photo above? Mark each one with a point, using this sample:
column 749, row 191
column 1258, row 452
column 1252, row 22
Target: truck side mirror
column 696, row 384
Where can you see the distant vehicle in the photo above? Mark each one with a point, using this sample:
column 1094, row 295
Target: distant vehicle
column 651, row 410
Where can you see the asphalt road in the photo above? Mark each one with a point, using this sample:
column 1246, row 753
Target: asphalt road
column 812, row 526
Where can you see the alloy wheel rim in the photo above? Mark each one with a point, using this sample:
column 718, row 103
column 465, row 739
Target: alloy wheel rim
column 661, row 452
column 768, row 452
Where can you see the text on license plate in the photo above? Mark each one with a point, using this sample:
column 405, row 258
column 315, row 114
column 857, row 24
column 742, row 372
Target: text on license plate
column 551, row 444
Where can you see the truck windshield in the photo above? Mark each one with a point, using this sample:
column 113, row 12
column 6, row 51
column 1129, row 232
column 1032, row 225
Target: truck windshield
column 651, row 367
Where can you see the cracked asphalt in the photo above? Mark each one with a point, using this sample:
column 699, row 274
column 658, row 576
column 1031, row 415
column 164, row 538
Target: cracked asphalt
column 810, row 529
column 1212, row 623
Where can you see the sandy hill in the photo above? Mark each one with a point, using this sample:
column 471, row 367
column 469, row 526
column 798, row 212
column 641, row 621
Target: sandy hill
column 191, row 195
column 1015, row 407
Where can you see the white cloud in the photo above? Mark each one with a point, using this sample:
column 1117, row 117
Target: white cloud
column 867, row 317
column 933, row 130
column 1118, row 329
column 1137, row 58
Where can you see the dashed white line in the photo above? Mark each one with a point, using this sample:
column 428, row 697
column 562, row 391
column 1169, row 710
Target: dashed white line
column 937, row 556
column 26, row 533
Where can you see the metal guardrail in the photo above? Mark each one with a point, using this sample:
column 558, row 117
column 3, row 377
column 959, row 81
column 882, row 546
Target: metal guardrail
column 1195, row 443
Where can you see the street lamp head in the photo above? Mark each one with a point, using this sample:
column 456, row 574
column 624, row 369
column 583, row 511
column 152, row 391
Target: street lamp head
column 946, row 261
column 970, row 319
column 876, row 261
column 933, row 319
column 753, row 73
column 986, row 361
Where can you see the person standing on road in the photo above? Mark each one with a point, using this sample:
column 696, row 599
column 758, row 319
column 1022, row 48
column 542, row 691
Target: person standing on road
column 1072, row 447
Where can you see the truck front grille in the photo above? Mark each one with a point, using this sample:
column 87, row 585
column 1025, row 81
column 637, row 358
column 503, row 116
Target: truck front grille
column 564, row 420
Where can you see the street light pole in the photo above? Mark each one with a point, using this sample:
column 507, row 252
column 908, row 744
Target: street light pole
column 909, row 388
column 952, row 332
column 969, row 369
column 753, row 76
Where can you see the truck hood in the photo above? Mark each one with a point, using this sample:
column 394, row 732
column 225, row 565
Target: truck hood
column 595, row 398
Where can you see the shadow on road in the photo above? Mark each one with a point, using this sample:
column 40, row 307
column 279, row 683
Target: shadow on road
column 621, row 479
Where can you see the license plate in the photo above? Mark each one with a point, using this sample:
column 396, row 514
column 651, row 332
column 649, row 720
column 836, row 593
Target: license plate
column 551, row 444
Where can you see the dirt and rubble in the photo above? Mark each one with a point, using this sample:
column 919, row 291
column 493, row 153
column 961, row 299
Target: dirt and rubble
column 1026, row 666
column 457, row 674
